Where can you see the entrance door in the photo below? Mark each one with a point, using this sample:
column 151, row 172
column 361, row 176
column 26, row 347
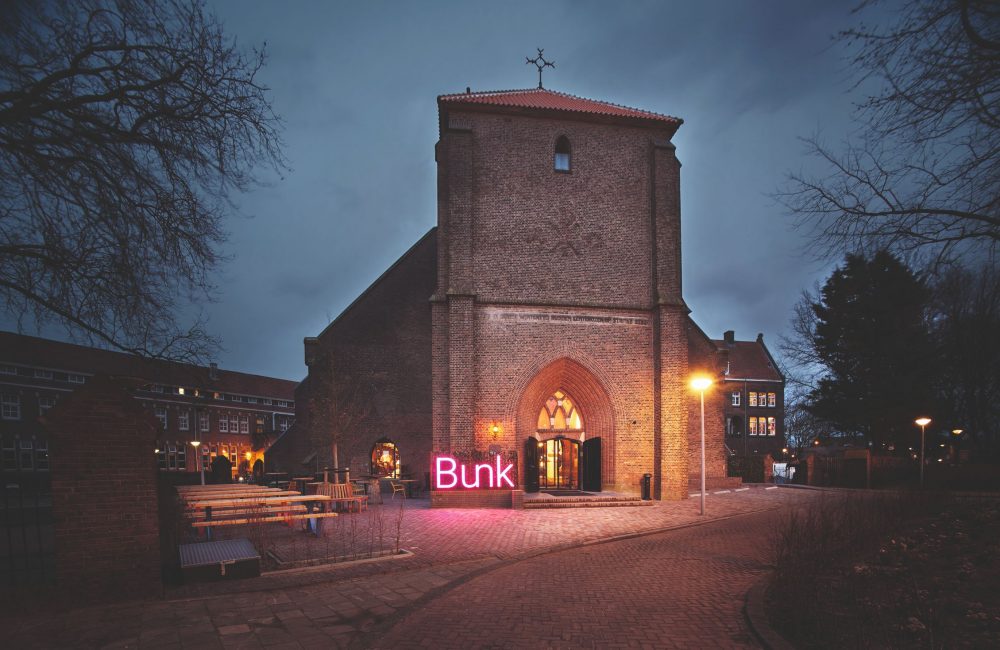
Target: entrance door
column 559, row 465
column 591, row 475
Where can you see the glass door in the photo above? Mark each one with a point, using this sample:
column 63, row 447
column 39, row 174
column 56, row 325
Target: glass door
column 559, row 465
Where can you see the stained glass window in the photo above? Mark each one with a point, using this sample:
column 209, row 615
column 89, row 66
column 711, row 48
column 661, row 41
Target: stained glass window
column 559, row 414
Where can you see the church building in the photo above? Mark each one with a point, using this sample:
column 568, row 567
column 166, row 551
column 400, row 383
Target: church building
column 541, row 324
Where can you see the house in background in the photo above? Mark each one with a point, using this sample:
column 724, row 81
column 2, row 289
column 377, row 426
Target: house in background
column 231, row 414
column 754, row 392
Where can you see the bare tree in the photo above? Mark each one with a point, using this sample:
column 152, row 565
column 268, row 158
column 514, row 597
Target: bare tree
column 125, row 125
column 340, row 401
column 923, row 171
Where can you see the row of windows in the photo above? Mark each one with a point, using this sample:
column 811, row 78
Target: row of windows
column 24, row 454
column 41, row 373
column 10, row 405
column 761, row 426
column 172, row 456
column 769, row 400
column 180, row 390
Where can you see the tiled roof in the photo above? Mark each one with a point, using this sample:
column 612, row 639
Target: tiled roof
column 749, row 360
column 541, row 98
column 54, row 355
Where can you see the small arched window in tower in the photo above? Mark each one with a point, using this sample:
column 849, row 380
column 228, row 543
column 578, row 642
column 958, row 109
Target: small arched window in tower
column 562, row 154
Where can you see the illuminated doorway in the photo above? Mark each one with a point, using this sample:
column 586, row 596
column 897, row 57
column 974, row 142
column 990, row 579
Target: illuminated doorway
column 385, row 459
column 559, row 464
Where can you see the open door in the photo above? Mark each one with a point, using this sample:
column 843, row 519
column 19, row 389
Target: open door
column 531, row 465
column 590, row 465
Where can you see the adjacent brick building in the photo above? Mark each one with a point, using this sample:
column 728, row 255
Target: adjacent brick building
column 231, row 413
column 542, row 317
column 753, row 391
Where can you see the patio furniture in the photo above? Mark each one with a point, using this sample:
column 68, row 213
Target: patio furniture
column 398, row 487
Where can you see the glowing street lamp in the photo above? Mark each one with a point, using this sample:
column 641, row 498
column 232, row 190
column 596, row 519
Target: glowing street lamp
column 701, row 384
column 922, row 423
column 197, row 459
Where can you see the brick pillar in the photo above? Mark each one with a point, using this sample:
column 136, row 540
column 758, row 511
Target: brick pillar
column 673, row 394
column 104, row 494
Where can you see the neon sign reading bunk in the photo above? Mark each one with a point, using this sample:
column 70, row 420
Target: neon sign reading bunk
column 448, row 475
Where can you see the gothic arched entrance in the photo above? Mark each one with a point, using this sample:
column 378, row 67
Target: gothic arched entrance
column 565, row 414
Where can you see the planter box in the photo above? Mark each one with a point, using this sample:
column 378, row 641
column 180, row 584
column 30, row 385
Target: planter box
column 230, row 559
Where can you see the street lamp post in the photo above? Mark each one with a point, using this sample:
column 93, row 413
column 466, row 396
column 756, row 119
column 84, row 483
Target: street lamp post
column 701, row 384
column 922, row 423
column 197, row 459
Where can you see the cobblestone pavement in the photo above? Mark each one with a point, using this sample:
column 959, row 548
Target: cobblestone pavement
column 475, row 554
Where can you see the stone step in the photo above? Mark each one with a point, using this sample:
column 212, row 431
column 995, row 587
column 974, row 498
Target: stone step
column 564, row 502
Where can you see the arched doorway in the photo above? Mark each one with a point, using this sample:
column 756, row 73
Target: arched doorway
column 567, row 421
column 385, row 459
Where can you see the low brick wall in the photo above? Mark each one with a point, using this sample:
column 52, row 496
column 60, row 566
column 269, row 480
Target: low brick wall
column 472, row 498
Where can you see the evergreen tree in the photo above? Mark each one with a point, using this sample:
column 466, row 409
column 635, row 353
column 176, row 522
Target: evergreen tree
column 870, row 337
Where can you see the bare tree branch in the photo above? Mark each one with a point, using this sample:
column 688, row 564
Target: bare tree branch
column 125, row 126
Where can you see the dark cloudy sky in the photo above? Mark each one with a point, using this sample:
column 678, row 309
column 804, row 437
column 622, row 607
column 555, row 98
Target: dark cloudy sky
column 356, row 84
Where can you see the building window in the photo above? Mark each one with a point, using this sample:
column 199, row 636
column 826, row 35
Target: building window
column 27, row 456
column 244, row 424
column 203, row 421
column 753, row 426
column 223, row 423
column 772, row 399
column 562, row 160
column 283, row 425
column 45, row 402
column 8, row 370
column 161, row 414
column 734, row 426
column 43, row 374
column 217, row 396
column 251, row 400
column 771, row 430
column 42, row 456
column 183, row 420
column 735, row 400
column 267, row 401
column 753, row 399
column 559, row 413
column 8, row 455
column 75, row 379
column 161, row 457
column 10, row 406
column 234, row 423
column 385, row 459
column 236, row 398
column 157, row 388
column 259, row 425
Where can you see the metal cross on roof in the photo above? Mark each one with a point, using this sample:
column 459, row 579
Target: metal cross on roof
column 540, row 63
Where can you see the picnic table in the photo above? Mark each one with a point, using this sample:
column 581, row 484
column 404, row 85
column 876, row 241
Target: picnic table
column 218, row 506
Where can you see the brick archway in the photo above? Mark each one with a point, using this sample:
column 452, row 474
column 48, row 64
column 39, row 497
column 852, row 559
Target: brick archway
column 591, row 398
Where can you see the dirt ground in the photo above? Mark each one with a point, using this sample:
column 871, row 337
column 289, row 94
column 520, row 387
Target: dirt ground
column 932, row 584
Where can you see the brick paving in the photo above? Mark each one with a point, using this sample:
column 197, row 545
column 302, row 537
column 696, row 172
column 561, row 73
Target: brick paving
column 469, row 560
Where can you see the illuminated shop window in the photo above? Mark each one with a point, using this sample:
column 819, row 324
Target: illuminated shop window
column 385, row 459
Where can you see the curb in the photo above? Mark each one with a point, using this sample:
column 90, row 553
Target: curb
column 756, row 617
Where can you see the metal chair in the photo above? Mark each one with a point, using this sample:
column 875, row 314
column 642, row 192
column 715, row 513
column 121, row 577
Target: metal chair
column 398, row 487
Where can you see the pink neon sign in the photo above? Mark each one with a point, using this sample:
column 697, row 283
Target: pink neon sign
column 448, row 474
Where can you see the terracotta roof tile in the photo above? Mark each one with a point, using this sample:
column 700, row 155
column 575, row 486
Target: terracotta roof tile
column 749, row 360
column 55, row 355
column 541, row 98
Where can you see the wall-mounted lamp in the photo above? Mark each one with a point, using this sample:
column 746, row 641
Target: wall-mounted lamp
column 495, row 430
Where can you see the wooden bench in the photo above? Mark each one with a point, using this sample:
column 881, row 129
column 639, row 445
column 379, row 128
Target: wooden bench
column 220, row 513
column 257, row 520
column 343, row 493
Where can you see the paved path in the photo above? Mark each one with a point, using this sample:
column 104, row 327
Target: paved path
column 476, row 554
column 680, row 589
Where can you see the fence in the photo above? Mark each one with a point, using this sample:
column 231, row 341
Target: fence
column 27, row 557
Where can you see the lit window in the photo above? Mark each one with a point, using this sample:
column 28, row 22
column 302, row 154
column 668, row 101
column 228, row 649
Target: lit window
column 75, row 379
column 753, row 399
column 183, row 420
column 770, row 426
column 10, row 406
column 736, row 398
column 559, row 413
column 385, row 459
column 753, row 425
column 161, row 414
column 562, row 160
column 244, row 424
column 203, row 421
column 771, row 399
column 223, row 424
column 217, row 396
column 259, row 425
column 45, row 402
column 43, row 374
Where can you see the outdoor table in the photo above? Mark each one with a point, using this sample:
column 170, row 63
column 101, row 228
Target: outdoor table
column 310, row 501
column 408, row 484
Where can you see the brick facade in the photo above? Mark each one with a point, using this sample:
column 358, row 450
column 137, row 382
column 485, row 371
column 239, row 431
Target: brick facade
column 104, row 494
column 542, row 280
